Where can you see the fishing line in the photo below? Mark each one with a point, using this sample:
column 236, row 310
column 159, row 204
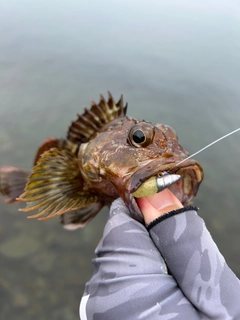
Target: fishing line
column 209, row 145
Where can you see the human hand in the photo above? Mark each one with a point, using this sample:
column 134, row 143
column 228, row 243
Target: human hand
column 158, row 204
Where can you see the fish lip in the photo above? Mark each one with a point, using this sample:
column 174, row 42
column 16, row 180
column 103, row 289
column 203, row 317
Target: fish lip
column 154, row 169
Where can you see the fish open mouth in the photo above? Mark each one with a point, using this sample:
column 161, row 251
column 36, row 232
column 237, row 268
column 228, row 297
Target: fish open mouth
column 191, row 176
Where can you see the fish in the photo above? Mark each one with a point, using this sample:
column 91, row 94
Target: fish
column 105, row 155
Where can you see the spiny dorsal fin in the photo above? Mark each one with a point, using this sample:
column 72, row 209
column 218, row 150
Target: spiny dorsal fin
column 56, row 186
column 91, row 121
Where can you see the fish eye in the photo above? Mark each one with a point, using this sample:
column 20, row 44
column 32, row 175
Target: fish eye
column 140, row 136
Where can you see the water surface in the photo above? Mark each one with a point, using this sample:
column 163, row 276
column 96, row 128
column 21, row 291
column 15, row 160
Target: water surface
column 176, row 62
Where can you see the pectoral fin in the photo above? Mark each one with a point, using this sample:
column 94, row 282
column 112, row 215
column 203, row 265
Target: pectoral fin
column 47, row 144
column 56, row 186
column 52, row 142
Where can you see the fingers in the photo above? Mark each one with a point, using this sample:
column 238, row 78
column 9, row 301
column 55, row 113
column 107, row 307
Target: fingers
column 158, row 204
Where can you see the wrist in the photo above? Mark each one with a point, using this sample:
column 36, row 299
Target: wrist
column 154, row 214
column 170, row 214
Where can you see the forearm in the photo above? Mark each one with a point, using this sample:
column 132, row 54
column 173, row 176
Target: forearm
column 131, row 280
column 197, row 265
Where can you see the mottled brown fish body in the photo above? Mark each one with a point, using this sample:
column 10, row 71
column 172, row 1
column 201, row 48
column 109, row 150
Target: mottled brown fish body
column 105, row 155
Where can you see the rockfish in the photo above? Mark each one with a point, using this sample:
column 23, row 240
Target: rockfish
column 105, row 155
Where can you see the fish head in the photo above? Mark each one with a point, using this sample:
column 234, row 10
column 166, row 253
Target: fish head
column 127, row 152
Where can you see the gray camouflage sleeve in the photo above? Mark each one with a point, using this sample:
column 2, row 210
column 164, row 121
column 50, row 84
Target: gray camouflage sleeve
column 131, row 280
column 197, row 265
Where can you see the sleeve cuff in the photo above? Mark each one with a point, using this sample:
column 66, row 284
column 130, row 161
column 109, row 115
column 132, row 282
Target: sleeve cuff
column 170, row 214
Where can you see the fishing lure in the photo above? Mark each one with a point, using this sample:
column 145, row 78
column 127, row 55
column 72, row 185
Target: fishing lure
column 156, row 184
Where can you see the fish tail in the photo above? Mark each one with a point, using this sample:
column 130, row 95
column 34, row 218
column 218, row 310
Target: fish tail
column 12, row 182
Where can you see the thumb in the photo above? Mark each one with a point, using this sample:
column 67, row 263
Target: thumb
column 158, row 204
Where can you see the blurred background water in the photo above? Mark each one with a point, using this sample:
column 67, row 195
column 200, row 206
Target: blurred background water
column 176, row 62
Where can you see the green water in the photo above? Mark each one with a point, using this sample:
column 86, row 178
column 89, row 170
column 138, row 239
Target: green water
column 176, row 62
